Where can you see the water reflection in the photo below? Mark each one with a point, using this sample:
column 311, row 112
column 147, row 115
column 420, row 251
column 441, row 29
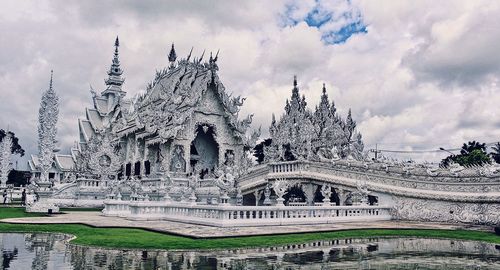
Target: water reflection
column 51, row 251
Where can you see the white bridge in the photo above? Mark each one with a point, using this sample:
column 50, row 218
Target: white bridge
column 410, row 193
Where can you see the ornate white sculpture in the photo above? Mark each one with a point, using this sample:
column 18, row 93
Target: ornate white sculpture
column 322, row 135
column 280, row 187
column 360, row 195
column 326, row 191
column 47, row 130
column 5, row 154
column 103, row 159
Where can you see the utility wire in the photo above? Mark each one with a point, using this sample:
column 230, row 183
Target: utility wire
column 424, row 151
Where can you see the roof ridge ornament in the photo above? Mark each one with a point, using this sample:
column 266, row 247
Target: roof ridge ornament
column 189, row 55
column 172, row 56
column 212, row 62
column 201, row 57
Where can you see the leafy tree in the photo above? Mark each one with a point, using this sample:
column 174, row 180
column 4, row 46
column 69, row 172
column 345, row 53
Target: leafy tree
column 259, row 149
column 495, row 155
column 19, row 178
column 472, row 153
column 16, row 148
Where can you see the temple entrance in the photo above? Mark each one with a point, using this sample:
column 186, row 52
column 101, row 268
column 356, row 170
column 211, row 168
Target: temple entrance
column 204, row 155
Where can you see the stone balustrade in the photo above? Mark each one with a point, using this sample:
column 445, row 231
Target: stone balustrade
column 284, row 167
column 88, row 183
column 229, row 215
column 300, row 204
column 116, row 208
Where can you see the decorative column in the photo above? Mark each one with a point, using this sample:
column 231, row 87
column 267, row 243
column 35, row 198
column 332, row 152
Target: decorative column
column 136, row 155
column 144, row 159
column 127, row 149
column 47, row 130
column 5, row 153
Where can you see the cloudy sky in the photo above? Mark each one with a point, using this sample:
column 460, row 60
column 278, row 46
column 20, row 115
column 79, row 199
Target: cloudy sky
column 418, row 75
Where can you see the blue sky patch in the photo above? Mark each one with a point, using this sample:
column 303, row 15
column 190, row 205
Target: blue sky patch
column 323, row 19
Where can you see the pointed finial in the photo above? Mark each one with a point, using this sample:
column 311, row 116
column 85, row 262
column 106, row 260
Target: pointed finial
column 201, row 58
column 216, row 55
column 190, row 52
column 172, row 56
column 115, row 71
column 294, row 80
column 51, row 75
column 117, row 44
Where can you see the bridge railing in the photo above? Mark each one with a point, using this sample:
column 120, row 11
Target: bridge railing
column 465, row 184
column 227, row 215
column 284, row 167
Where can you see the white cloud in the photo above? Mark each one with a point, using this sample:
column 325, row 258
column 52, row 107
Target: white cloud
column 420, row 78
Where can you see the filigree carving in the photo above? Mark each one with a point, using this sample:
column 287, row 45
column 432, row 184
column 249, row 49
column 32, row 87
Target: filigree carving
column 102, row 159
column 178, row 163
column 439, row 211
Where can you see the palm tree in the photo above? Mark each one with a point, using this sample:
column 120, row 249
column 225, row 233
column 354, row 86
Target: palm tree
column 495, row 155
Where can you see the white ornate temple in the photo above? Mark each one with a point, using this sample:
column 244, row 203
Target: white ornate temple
column 180, row 152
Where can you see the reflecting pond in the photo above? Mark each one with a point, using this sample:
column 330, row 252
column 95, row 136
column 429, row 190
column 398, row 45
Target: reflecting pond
column 51, row 251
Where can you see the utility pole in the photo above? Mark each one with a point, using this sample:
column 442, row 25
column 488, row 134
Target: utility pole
column 376, row 151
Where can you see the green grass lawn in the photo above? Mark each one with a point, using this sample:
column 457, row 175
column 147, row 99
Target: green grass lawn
column 142, row 239
column 16, row 212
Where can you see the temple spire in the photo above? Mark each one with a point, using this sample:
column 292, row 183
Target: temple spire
column 114, row 81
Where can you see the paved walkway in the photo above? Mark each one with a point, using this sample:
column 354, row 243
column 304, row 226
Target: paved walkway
column 201, row 231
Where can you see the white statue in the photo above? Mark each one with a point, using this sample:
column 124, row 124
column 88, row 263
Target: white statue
column 280, row 187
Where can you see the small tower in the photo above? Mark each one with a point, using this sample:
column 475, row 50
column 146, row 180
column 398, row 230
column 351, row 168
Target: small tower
column 295, row 102
column 172, row 56
column 114, row 81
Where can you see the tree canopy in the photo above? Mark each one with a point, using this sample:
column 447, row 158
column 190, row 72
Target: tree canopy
column 16, row 148
column 495, row 155
column 259, row 149
column 472, row 153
